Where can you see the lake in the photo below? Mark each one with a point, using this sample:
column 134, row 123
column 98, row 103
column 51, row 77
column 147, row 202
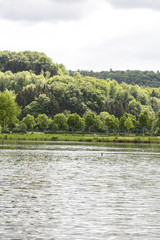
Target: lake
column 64, row 191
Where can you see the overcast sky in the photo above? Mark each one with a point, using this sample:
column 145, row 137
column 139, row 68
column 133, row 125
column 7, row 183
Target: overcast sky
column 85, row 34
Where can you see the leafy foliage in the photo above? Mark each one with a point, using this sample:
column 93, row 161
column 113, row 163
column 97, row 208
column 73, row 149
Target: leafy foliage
column 61, row 120
column 9, row 109
column 43, row 121
column 29, row 61
column 74, row 121
column 142, row 78
column 44, row 90
column 29, row 121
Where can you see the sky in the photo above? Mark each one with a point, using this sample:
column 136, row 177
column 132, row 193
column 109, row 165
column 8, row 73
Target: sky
column 96, row 35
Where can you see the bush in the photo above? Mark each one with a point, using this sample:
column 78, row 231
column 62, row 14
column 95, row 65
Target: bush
column 48, row 132
column 18, row 130
column 148, row 134
column 55, row 127
column 157, row 132
column 5, row 130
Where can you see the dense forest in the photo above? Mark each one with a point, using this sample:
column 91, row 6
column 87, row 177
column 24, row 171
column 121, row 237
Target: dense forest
column 29, row 61
column 44, row 90
column 141, row 78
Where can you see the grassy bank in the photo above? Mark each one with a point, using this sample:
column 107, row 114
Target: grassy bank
column 79, row 138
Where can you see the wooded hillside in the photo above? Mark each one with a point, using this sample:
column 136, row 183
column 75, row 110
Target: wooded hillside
column 28, row 61
column 47, row 88
column 141, row 78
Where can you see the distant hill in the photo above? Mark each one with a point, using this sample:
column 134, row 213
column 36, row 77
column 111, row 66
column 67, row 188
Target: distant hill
column 39, row 63
column 141, row 78
column 43, row 87
column 36, row 62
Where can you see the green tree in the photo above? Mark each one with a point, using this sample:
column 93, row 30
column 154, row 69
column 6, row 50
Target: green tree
column 143, row 97
column 55, row 127
column 43, row 121
column 124, row 118
column 89, row 120
column 29, row 121
column 39, row 106
column 102, row 116
column 61, row 120
column 74, row 121
column 158, row 119
column 135, row 108
column 8, row 108
column 115, row 124
column 151, row 116
column 128, row 124
column 143, row 119
column 112, row 91
column 97, row 123
column 22, row 127
column 111, row 122
column 72, row 99
column 155, row 104
column 19, row 128
column 108, row 122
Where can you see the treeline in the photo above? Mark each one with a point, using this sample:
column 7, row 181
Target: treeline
column 104, row 122
column 36, row 94
column 141, row 78
column 113, row 107
column 79, row 94
column 45, row 93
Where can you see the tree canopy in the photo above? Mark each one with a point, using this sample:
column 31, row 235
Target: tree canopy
column 29, row 61
column 9, row 109
column 142, row 78
column 40, row 86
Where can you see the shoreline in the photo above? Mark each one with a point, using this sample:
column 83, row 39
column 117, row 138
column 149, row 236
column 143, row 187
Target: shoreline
column 93, row 138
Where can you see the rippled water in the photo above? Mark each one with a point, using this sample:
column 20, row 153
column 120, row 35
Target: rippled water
column 79, row 192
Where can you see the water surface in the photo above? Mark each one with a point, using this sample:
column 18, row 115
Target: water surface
column 79, row 192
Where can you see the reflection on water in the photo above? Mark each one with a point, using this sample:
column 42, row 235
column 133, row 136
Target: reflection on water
column 71, row 192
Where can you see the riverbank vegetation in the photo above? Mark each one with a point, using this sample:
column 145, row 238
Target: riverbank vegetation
column 90, row 138
column 39, row 95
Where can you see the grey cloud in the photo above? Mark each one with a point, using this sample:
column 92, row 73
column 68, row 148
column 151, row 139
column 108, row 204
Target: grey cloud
column 150, row 4
column 42, row 10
